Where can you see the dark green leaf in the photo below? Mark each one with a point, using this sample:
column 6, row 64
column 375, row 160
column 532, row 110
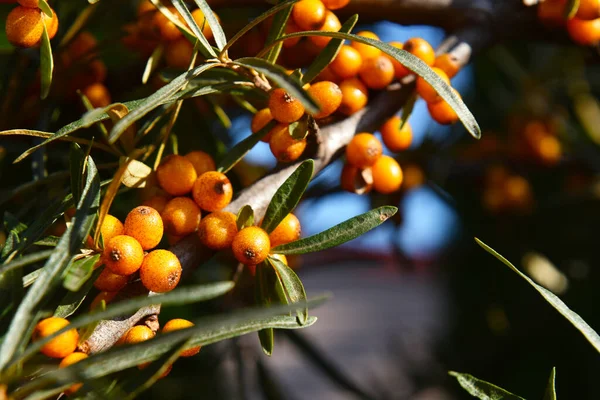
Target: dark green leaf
column 245, row 217
column 204, row 47
column 481, row 389
column 407, row 109
column 25, row 260
column 49, row 241
column 551, row 298
column 294, row 289
column 571, row 8
column 299, row 129
column 551, row 388
column 288, row 195
column 277, row 30
column 329, row 52
column 279, row 75
column 73, row 299
column 339, row 234
column 76, row 166
column 242, row 148
column 46, row 63
column 263, row 297
column 80, row 271
column 214, row 24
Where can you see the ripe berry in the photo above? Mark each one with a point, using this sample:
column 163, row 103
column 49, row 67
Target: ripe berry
column 212, row 191
column 145, row 225
column 110, row 282
column 331, row 24
column 395, row 138
column 97, row 94
column 110, row 228
column 201, row 161
column 137, row 334
column 447, row 63
column 356, row 180
column 366, row 50
column 287, row 231
column 160, row 271
column 283, row 146
column 251, row 245
column 328, row 75
column 157, row 202
column 419, row 48
column 69, row 360
column 355, row 96
column 63, row 344
column 291, row 27
column 24, row 26
column 178, row 53
column 123, row 255
column 347, row 63
column 217, row 230
column 106, row 296
column 29, row 3
column 168, row 31
column 377, row 72
column 426, row 91
column 442, row 113
column 517, row 192
column 335, row 4
column 363, row 150
column 176, row 324
column 181, row 216
column 309, row 14
column 285, row 108
column 387, row 175
column 328, row 95
column 588, row 9
column 176, row 175
column 259, row 121
column 585, row 33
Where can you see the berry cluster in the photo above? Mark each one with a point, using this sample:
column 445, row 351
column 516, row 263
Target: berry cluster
column 25, row 24
column 583, row 27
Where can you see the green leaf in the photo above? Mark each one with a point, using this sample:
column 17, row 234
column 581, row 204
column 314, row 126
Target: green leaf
column 76, row 166
column 299, row 129
column 73, row 299
column 56, row 265
column 25, row 260
column 411, row 62
column 481, row 389
column 341, row 233
column 153, row 62
column 277, row 30
column 80, row 271
column 46, row 63
column 238, row 152
column 407, row 109
column 294, row 289
column 214, row 24
column 43, row 5
column 329, row 52
column 551, row 388
column 245, row 217
column 287, row 82
column 288, row 195
column 204, row 46
column 263, row 297
column 571, row 8
column 551, row 298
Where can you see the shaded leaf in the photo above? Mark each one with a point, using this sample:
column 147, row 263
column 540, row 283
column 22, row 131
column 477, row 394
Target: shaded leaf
column 202, row 43
column 288, row 195
column 72, row 300
column 238, row 152
column 341, row 233
column 551, row 298
column 481, row 389
column 214, row 24
column 152, row 62
column 275, row 32
column 76, row 167
column 551, row 388
column 294, row 289
column 299, row 129
column 571, row 8
column 245, row 217
column 80, row 272
column 25, row 260
column 407, row 109
column 46, row 63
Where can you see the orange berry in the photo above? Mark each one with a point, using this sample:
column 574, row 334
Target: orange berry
column 419, row 48
column 145, row 6
column 285, row 108
column 176, row 175
column 29, row 3
column 588, row 9
column 212, row 191
column 123, row 255
column 517, row 192
column 395, row 138
column 442, row 113
column 52, row 25
column 201, row 21
column 69, row 360
column 287, row 231
column 167, row 30
column 217, row 230
column 283, row 146
column 426, row 91
column 366, row 50
column 137, row 334
column 335, row 4
column 355, row 96
column 179, row 323
column 178, row 53
column 291, row 27
column 331, row 24
column 447, row 63
column 110, row 282
column 260, row 120
column 106, row 296
column 63, row 344
column 356, row 180
column 363, row 150
column 328, row 75
column 97, row 94
column 160, row 271
column 309, row 14
column 413, row 176
column 585, row 33
column 202, row 162
column 24, row 26
column 110, row 228
column 328, row 95
column 377, row 72
column 387, row 175
column 181, row 216
column 145, row 225
column 347, row 63
column 251, row 245
column 157, row 202
column 82, row 45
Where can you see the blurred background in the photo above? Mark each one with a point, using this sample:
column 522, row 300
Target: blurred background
column 416, row 297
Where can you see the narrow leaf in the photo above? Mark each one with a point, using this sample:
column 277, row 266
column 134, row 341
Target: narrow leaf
column 25, row 261
column 43, row 5
column 341, row 233
column 551, row 388
column 294, row 289
column 80, row 272
column 76, row 167
column 288, row 195
column 407, row 109
column 152, row 62
column 203, row 44
column 571, row 8
column 238, row 152
column 481, row 389
column 46, row 63
column 72, row 300
column 214, row 24
column 551, row 298
column 277, row 30
column 262, row 295
column 245, row 217
column 299, row 129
